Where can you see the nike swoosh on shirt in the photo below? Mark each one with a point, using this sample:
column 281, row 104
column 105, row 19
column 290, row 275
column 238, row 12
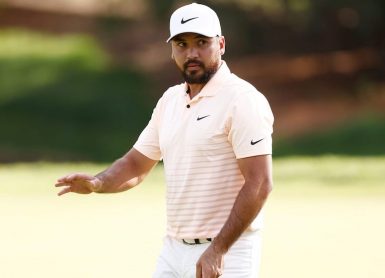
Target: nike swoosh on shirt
column 200, row 118
column 187, row 20
column 255, row 142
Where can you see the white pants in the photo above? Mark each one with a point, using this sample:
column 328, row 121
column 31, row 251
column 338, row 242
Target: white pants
column 178, row 260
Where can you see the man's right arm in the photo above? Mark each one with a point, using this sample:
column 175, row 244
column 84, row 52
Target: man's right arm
column 126, row 172
column 123, row 174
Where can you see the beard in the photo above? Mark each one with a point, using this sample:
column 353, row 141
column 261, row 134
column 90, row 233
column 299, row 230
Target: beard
column 194, row 77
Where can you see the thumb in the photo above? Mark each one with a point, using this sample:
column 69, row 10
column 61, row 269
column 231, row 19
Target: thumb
column 198, row 271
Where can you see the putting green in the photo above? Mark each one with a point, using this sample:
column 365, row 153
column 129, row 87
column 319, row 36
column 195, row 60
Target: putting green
column 323, row 219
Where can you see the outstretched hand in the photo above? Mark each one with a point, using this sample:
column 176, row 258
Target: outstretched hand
column 79, row 183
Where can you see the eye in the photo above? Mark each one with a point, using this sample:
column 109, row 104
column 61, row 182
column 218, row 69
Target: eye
column 202, row 42
column 181, row 44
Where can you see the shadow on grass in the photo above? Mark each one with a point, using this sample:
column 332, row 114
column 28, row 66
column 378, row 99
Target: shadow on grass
column 359, row 137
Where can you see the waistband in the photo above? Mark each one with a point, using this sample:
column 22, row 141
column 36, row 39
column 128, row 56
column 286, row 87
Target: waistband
column 195, row 241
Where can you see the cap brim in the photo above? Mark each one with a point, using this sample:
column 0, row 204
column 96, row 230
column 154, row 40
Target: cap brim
column 200, row 33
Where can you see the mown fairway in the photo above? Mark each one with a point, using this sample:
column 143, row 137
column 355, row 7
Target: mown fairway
column 325, row 218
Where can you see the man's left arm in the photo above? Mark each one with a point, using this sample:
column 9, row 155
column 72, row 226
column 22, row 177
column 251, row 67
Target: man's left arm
column 257, row 172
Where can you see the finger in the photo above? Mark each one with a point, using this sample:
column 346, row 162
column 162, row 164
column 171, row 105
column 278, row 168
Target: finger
column 81, row 176
column 73, row 177
column 64, row 191
column 69, row 179
column 198, row 271
column 64, row 178
column 58, row 184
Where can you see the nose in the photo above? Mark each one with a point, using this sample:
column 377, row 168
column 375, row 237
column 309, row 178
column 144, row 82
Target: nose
column 192, row 53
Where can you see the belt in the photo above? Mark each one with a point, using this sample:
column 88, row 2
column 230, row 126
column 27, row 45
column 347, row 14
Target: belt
column 196, row 241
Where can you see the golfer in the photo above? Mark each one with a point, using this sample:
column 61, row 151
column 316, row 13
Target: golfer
column 213, row 133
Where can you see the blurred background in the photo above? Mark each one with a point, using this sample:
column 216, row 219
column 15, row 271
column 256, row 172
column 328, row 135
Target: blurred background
column 79, row 78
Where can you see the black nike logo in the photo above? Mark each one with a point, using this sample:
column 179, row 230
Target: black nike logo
column 187, row 20
column 255, row 142
column 200, row 118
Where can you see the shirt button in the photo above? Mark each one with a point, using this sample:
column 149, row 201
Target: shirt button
column 188, row 105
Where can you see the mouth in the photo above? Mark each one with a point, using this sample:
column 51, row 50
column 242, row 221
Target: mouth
column 193, row 66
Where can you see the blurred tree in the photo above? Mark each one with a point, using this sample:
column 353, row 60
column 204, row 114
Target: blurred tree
column 305, row 25
column 161, row 9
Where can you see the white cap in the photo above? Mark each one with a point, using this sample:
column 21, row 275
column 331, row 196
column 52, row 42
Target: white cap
column 194, row 18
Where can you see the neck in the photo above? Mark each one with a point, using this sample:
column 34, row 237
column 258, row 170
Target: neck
column 194, row 89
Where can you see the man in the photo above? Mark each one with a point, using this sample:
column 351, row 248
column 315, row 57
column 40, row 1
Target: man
column 213, row 133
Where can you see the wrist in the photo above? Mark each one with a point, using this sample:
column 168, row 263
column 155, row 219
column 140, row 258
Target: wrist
column 96, row 185
column 218, row 246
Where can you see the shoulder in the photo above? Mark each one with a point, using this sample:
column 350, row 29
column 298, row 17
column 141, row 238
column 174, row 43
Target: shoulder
column 242, row 84
column 243, row 90
column 173, row 90
column 171, row 93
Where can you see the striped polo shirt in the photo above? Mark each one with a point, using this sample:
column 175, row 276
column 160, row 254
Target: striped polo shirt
column 200, row 140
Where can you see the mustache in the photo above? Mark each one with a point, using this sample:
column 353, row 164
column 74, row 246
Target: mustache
column 186, row 64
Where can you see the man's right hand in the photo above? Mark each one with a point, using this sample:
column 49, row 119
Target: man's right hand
column 79, row 183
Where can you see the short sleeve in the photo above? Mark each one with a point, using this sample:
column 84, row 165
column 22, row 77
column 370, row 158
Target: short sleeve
column 251, row 125
column 148, row 141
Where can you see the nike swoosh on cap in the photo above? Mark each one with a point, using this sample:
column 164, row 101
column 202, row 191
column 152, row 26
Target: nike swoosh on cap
column 255, row 142
column 187, row 20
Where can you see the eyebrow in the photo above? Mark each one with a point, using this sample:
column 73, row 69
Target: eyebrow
column 199, row 36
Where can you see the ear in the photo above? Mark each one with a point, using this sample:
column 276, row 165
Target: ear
column 172, row 53
column 222, row 45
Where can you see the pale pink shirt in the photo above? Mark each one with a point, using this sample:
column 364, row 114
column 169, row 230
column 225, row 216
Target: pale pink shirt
column 200, row 140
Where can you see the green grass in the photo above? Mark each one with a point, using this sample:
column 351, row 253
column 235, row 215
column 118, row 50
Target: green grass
column 323, row 219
